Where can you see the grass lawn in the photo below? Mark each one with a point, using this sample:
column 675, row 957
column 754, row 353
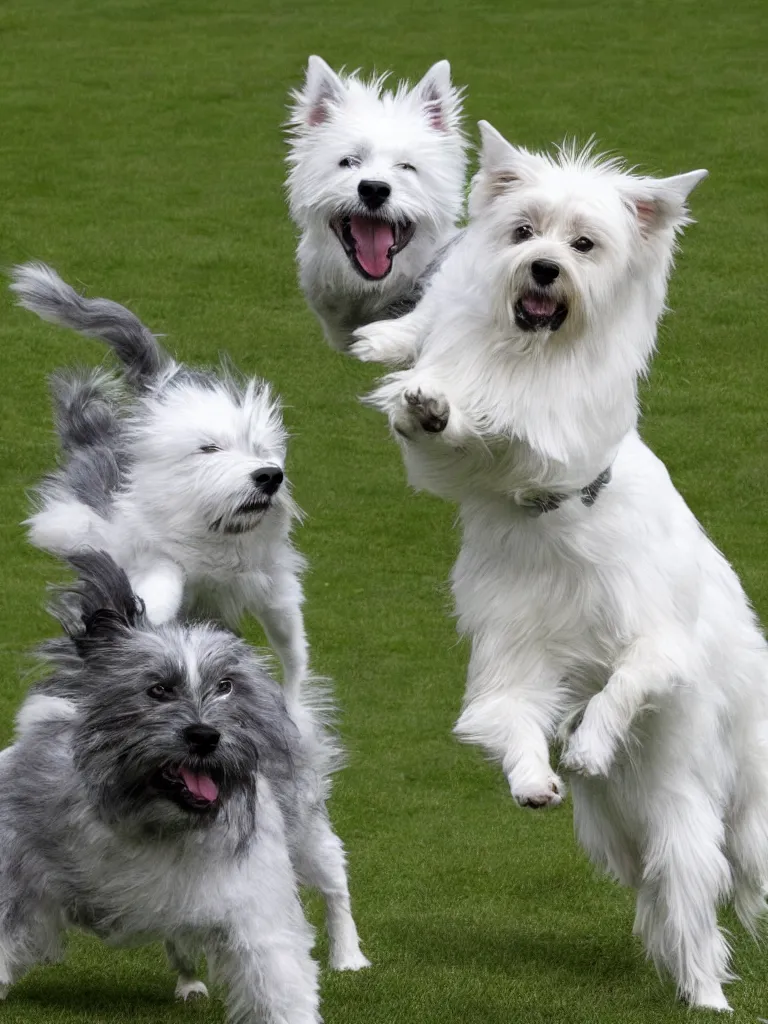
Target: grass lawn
column 140, row 154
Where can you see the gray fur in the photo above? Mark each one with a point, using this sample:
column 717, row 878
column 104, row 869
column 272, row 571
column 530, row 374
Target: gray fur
column 88, row 421
column 89, row 840
column 86, row 408
column 41, row 290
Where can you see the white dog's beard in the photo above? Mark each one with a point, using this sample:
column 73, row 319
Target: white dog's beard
column 372, row 243
column 244, row 518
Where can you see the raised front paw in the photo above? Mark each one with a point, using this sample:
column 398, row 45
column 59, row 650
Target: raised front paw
column 422, row 411
column 548, row 791
column 366, row 349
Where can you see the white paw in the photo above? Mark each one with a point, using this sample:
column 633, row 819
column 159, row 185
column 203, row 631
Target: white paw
column 349, row 960
column 365, row 350
column 547, row 792
column 190, row 988
column 589, row 752
column 710, row 997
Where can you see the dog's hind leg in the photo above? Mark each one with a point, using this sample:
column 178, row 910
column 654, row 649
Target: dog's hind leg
column 512, row 710
column 602, row 833
column 25, row 940
column 183, row 958
column 647, row 672
column 748, row 826
column 321, row 864
column 685, row 877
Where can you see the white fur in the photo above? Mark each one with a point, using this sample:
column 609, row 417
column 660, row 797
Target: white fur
column 619, row 627
column 160, row 526
column 334, row 117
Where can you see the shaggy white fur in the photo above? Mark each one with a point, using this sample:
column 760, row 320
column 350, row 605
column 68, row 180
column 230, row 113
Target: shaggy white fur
column 615, row 625
column 376, row 187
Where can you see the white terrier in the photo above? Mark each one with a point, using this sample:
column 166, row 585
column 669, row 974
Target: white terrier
column 376, row 187
column 187, row 495
column 201, row 514
column 610, row 619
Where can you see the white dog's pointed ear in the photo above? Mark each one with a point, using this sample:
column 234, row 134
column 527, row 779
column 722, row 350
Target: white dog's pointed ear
column 321, row 87
column 661, row 202
column 502, row 165
column 438, row 98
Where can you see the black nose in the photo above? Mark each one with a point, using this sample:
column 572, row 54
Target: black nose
column 544, row 271
column 268, row 478
column 373, row 193
column 202, row 739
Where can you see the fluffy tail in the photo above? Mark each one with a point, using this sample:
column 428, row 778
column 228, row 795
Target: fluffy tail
column 74, row 503
column 86, row 408
column 41, row 290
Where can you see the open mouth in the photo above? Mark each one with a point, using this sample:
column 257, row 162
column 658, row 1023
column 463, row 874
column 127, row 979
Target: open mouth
column 253, row 505
column 192, row 791
column 536, row 311
column 245, row 517
column 372, row 243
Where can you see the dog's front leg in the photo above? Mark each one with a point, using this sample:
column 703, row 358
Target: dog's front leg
column 393, row 342
column 646, row 672
column 161, row 588
column 278, row 609
column 422, row 406
column 183, row 958
column 268, row 972
column 321, row 863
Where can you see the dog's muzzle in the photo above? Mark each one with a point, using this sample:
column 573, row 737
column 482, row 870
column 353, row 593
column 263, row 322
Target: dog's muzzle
column 371, row 241
column 190, row 788
column 539, row 308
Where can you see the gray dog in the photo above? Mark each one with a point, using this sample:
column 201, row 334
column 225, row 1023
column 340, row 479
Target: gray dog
column 159, row 789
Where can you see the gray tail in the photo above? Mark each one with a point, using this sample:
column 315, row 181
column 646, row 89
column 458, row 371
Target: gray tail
column 86, row 408
column 41, row 290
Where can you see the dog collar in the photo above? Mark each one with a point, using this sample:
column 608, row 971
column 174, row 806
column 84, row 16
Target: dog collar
column 587, row 495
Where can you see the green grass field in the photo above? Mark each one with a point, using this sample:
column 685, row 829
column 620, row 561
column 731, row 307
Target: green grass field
column 141, row 155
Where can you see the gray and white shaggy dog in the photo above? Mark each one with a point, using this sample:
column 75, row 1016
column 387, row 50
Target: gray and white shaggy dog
column 159, row 788
column 117, row 488
column 187, row 492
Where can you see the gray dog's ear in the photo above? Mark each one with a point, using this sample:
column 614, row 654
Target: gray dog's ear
column 101, row 605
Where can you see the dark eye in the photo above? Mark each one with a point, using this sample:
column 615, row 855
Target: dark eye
column 161, row 692
column 209, row 449
column 406, row 167
column 583, row 244
column 523, row 233
column 224, row 686
column 349, row 161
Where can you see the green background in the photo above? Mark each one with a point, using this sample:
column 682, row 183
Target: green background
column 141, row 155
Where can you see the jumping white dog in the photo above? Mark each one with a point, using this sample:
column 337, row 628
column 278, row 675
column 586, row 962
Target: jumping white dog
column 376, row 187
column 597, row 607
column 195, row 505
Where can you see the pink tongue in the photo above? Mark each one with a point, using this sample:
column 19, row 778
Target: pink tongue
column 373, row 240
column 538, row 306
column 200, row 785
